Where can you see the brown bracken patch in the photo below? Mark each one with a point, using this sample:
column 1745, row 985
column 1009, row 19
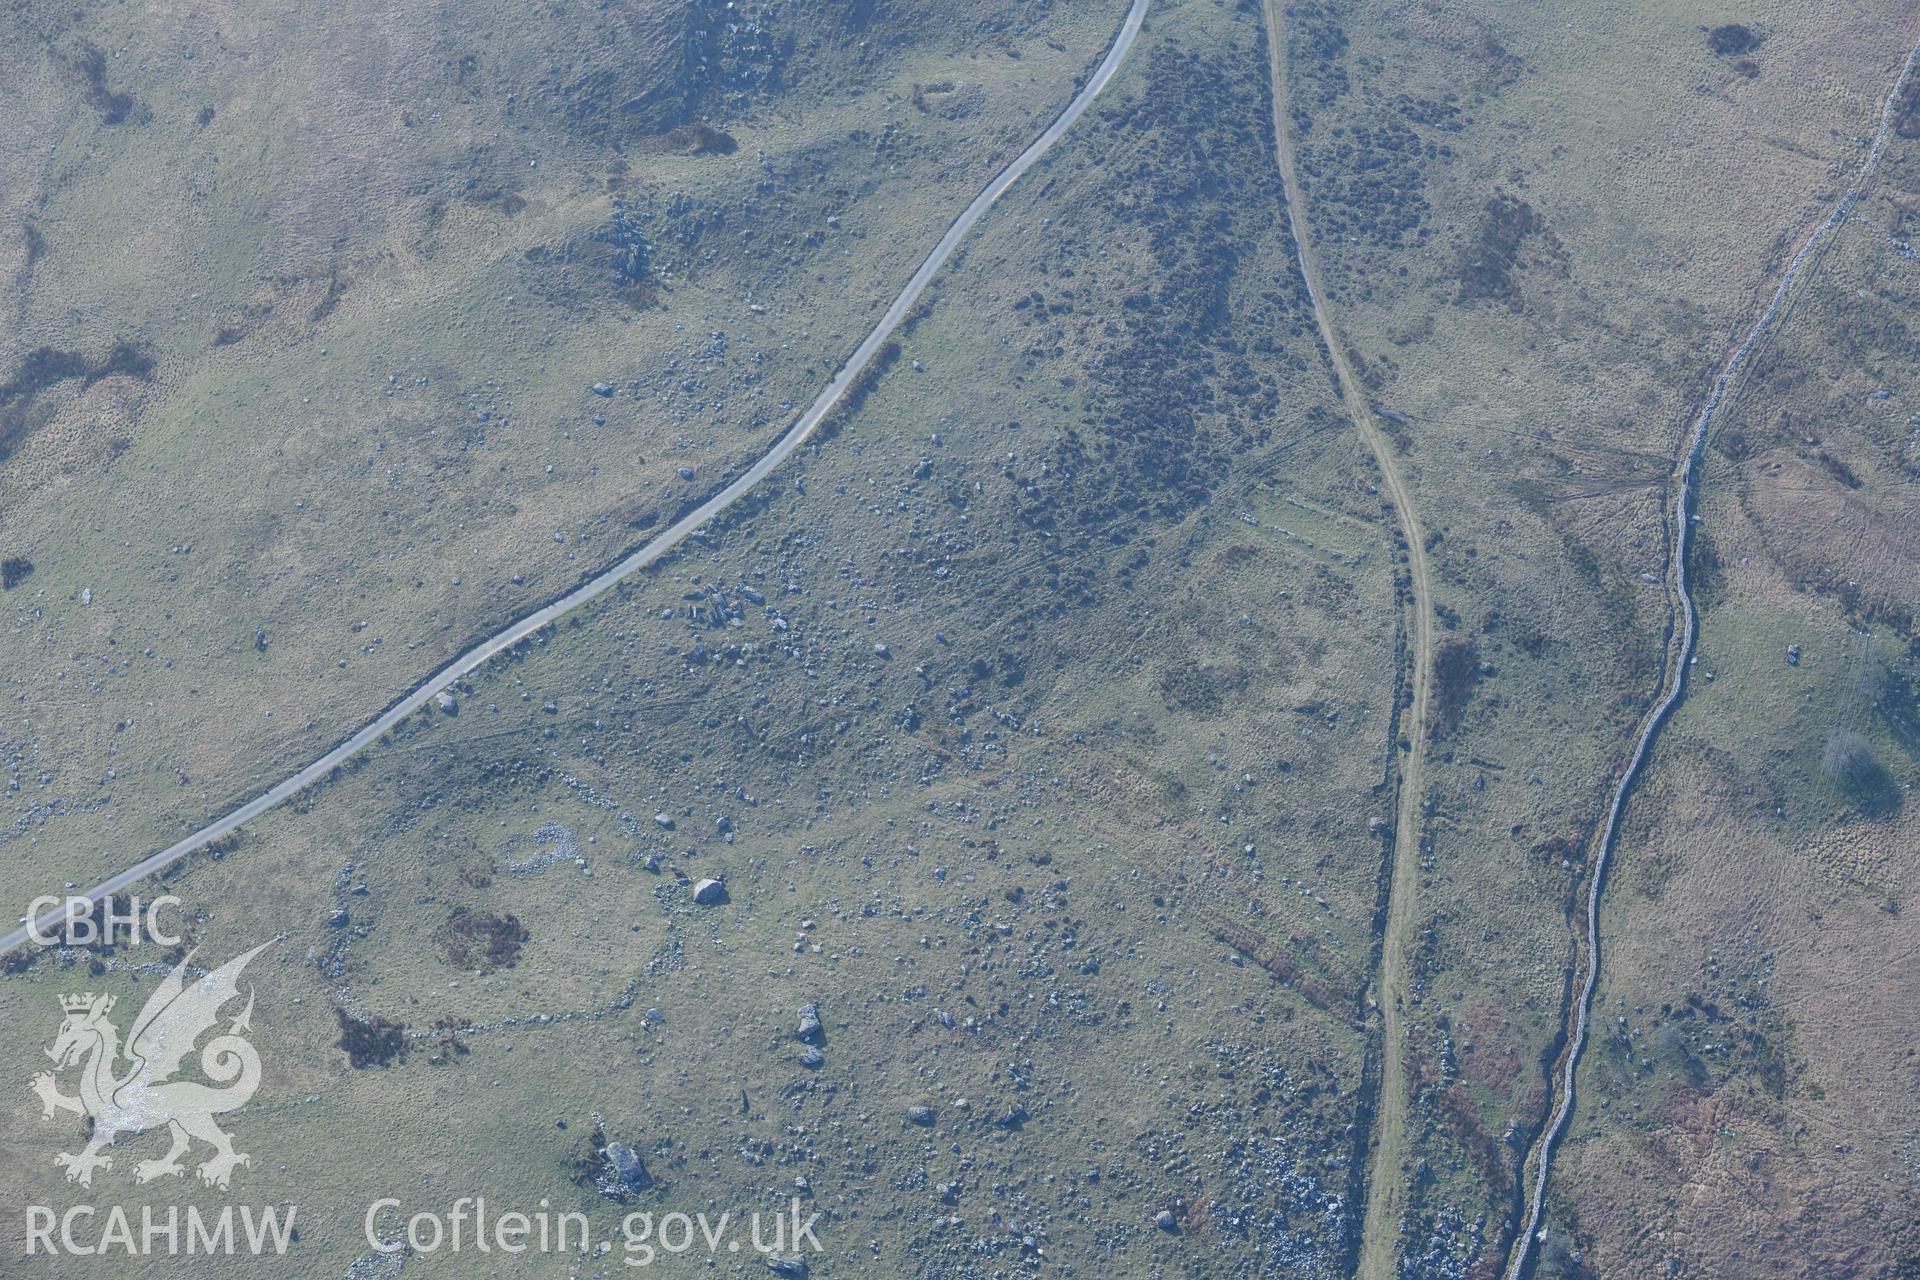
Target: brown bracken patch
column 481, row 940
column 375, row 1042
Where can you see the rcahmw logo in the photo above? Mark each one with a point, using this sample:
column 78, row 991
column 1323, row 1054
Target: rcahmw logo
column 84, row 1231
column 124, row 1101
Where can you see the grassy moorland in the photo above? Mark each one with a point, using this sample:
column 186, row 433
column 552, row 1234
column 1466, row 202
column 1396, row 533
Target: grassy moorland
column 1043, row 717
column 1756, row 1011
column 1540, row 232
column 302, row 349
column 1037, row 720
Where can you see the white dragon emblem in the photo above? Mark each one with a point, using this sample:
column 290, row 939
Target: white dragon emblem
column 147, row 1096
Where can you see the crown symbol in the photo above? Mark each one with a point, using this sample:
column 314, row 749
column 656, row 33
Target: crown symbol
column 83, row 1003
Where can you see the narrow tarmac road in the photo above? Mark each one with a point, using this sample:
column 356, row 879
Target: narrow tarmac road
column 1688, row 476
column 653, row 551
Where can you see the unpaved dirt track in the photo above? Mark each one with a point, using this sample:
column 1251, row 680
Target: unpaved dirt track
column 1688, row 474
column 796, row 436
column 1386, row 1190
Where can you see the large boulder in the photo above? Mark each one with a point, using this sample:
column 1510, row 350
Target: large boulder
column 622, row 1171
